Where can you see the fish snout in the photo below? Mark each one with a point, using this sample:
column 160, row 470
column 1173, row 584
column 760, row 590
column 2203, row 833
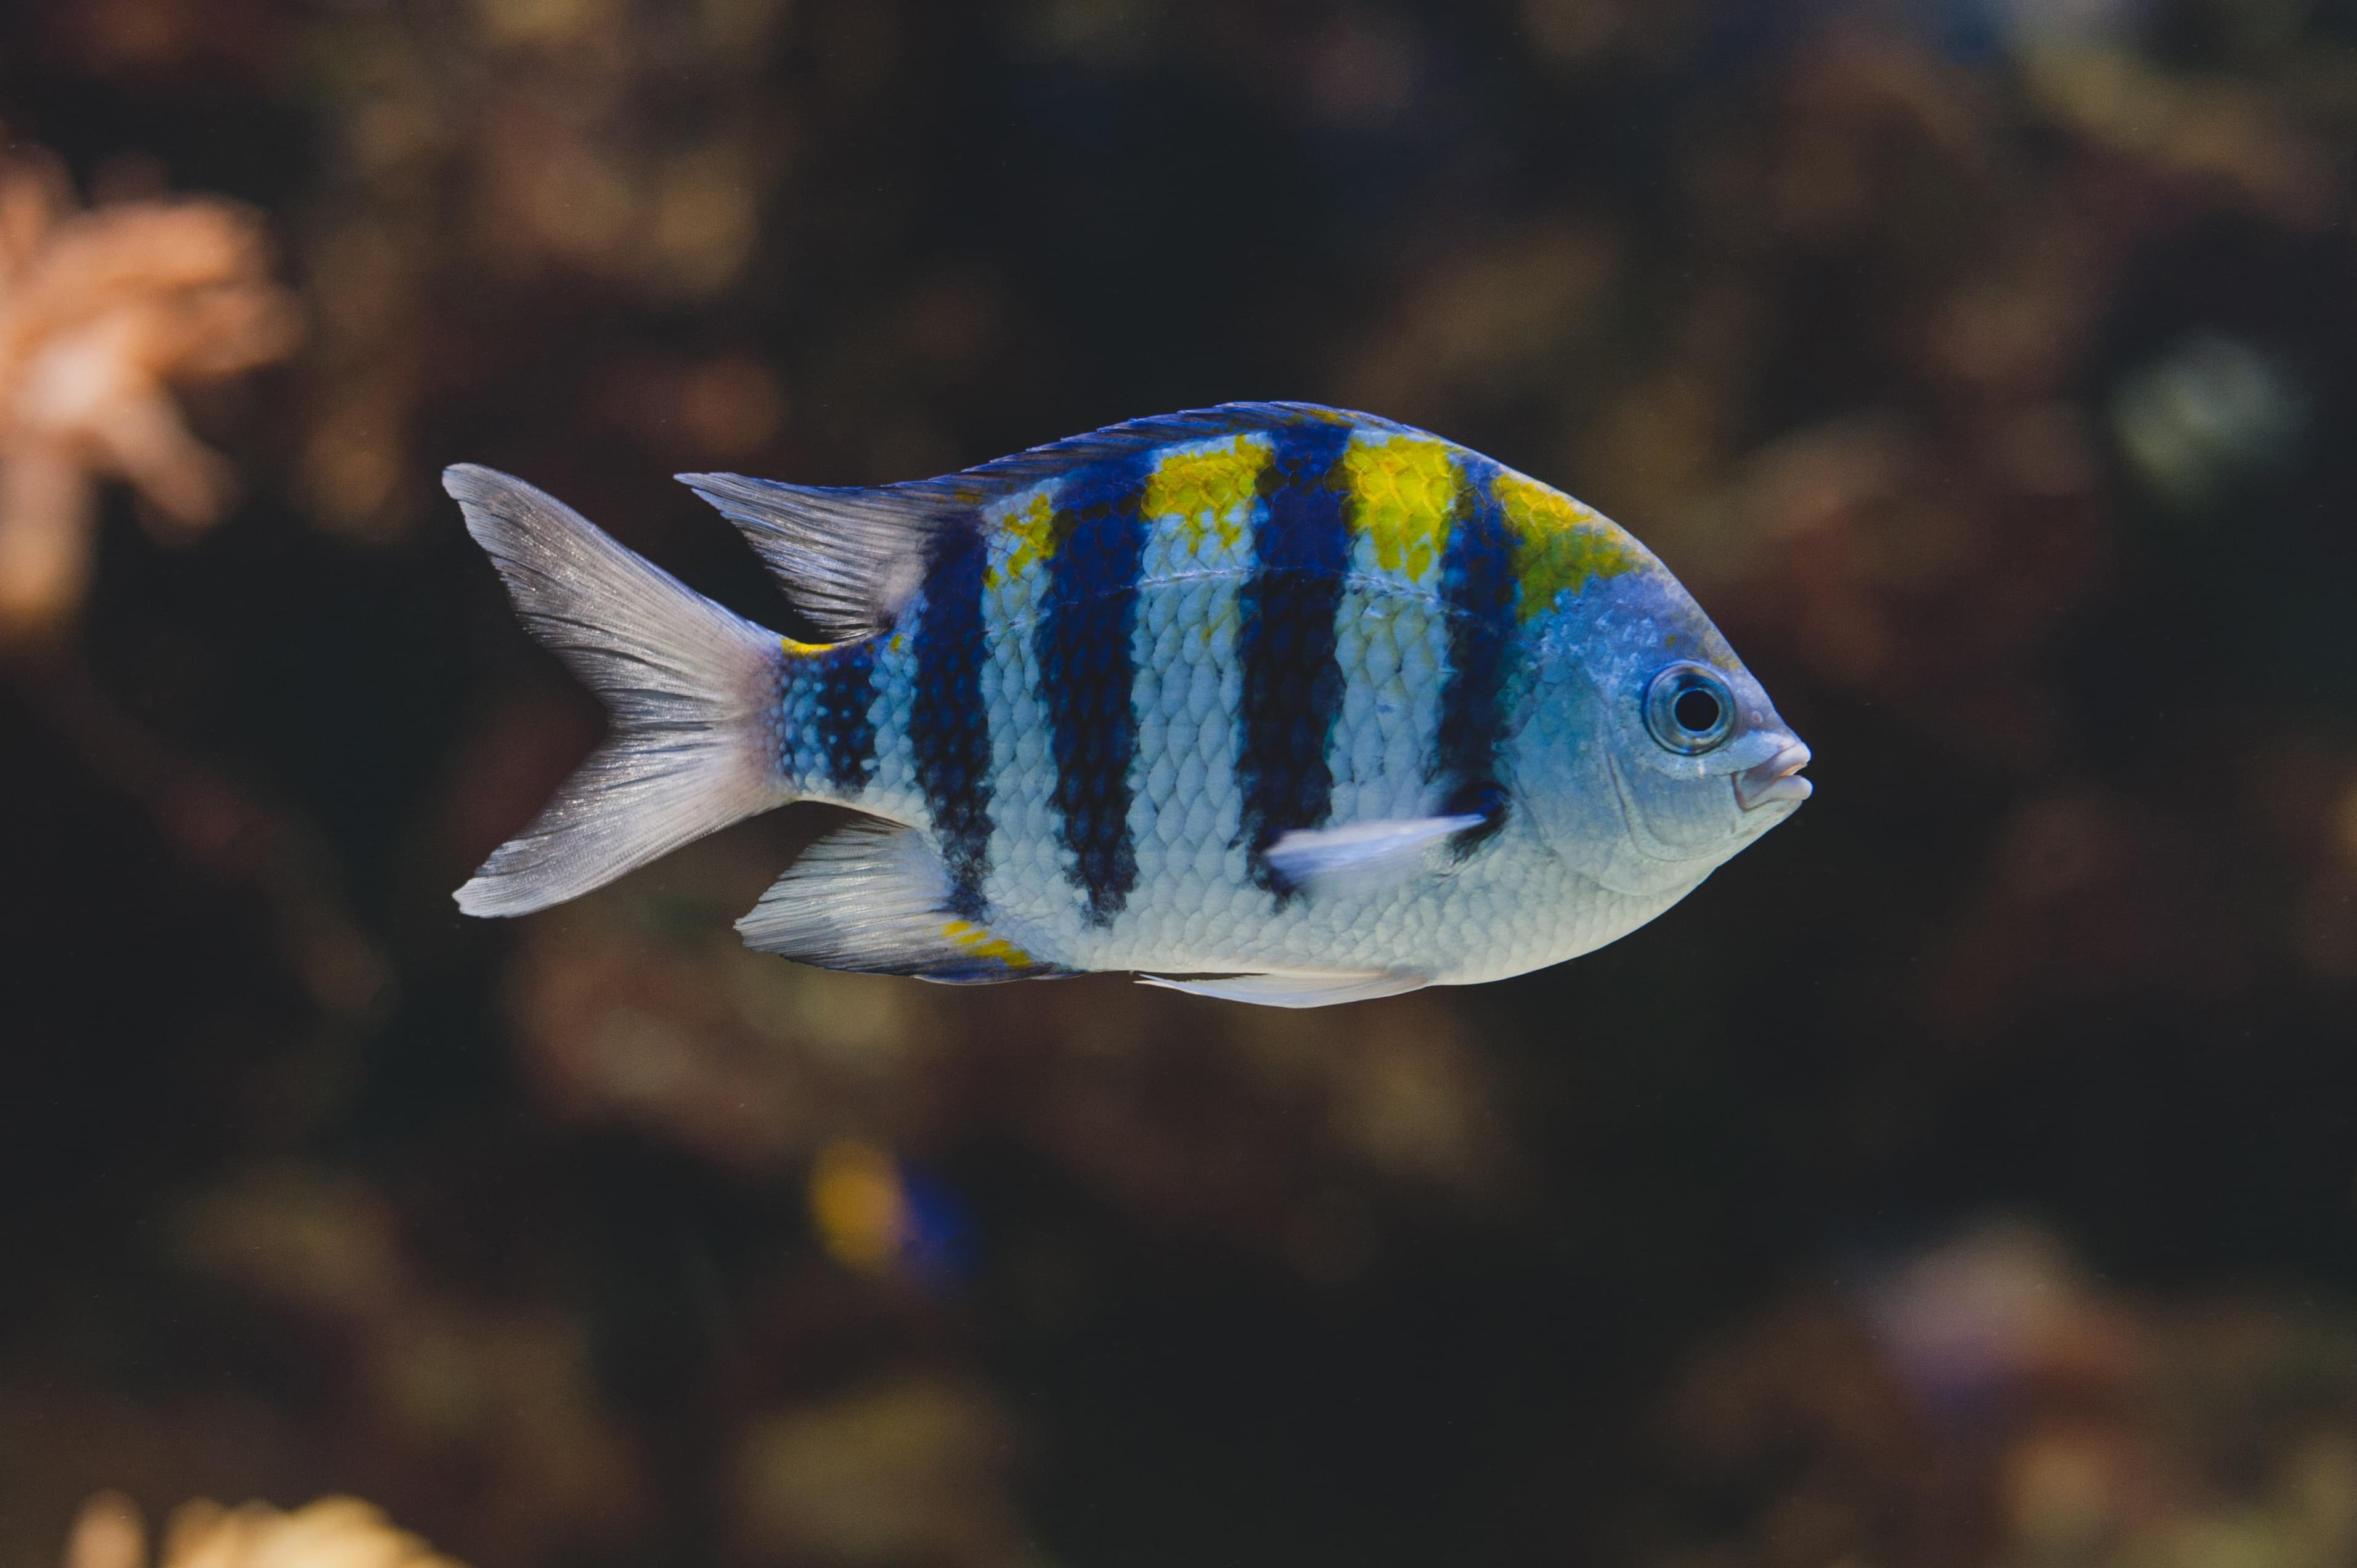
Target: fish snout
column 1777, row 778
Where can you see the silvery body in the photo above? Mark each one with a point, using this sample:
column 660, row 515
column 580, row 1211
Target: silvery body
column 1271, row 702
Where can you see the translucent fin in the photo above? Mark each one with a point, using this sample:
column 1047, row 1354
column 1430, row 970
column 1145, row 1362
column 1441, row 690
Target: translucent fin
column 1363, row 858
column 849, row 559
column 684, row 681
column 871, row 896
column 1300, row 988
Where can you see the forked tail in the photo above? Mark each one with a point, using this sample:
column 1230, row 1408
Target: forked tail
column 687, row 687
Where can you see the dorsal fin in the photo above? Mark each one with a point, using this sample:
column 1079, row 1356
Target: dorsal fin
column 851, row 558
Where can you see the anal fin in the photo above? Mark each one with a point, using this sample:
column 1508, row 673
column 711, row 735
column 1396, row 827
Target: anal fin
column 873, row 896
column 1299, row 988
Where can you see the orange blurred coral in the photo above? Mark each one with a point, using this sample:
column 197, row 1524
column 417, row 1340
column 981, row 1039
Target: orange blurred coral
column 334, row 1532
column 102, row 312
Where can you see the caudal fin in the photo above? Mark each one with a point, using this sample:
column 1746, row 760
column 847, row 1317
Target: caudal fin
column 686, row 686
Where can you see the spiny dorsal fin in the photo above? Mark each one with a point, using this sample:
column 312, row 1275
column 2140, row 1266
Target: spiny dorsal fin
column 851, row 558
column 1003, row 476
column 871, row 896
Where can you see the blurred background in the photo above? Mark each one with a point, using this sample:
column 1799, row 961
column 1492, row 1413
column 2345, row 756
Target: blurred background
column 1966, row 1176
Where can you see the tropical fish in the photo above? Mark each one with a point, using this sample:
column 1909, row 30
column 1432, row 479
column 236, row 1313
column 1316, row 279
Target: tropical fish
column 1269, row 702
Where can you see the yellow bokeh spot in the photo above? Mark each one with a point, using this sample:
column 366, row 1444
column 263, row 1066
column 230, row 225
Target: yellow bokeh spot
column 1031, row 526
column 977, row 943
column 1403, row 493
column 1210, row 488
column 1559, row 543
column 857, row 1205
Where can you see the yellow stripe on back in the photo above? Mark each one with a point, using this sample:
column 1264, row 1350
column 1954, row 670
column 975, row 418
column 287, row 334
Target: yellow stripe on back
column 1030, row 523
column 1210, row 487
column 1558, row 543
column 1403, row 491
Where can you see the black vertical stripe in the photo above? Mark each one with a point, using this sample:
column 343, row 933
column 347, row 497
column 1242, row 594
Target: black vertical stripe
column 1292, row 683
column 949, row 722
column 1477, row 583
column 1086, row 672
column 846, row 689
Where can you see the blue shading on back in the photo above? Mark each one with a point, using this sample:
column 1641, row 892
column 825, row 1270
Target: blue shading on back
column 948, row 723
column 1477, row 583
column 847, row 686
column 1293, row 685
column 1086, row 669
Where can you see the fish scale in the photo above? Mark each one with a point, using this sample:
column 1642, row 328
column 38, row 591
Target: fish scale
column 1308, row 700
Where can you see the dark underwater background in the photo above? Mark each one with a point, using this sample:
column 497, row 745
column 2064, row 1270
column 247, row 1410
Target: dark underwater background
column 1965, row 1174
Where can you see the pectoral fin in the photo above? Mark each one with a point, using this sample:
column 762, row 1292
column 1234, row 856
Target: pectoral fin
column 1299, row 988
column 1362, row 857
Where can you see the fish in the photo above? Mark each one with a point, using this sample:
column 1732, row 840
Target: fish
column 1269, row 702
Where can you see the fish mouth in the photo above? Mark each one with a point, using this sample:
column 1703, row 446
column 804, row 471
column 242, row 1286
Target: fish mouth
column 1776, row 779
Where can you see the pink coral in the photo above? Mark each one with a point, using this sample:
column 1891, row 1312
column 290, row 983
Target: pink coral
column 102, row 312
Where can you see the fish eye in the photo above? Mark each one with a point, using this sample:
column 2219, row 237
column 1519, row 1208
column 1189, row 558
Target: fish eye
column 1688, row 709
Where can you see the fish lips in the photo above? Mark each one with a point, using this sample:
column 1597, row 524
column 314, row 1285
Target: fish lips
column 1774, row 781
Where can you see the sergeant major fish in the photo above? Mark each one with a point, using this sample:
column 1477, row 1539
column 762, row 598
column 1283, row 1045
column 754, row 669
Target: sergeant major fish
column 1269, row 702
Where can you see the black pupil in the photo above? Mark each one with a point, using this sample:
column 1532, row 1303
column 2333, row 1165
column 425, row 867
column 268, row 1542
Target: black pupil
column 1697, row 710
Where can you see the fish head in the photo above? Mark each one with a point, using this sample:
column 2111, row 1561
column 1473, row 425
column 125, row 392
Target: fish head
column 1648, row 755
